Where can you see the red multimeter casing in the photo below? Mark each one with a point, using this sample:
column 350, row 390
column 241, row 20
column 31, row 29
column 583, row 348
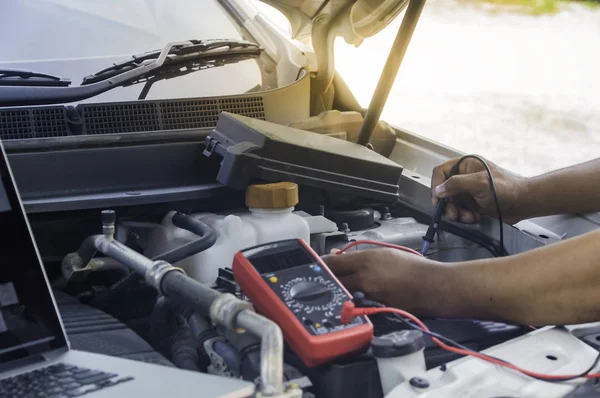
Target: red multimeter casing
column 289, row 283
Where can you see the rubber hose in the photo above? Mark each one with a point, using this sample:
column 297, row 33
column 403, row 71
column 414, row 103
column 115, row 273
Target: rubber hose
column 183, row 289
column 183, row 350
column 230, row 355
column 172, row 335
column 206, row 240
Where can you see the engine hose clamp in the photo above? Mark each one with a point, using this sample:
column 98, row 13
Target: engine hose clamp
column 155, row 274
column 225, row 309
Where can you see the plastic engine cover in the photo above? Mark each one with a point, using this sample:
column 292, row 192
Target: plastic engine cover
column 262, row 150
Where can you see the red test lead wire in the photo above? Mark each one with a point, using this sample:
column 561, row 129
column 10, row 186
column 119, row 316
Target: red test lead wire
column 349, row 311
column 381, row 244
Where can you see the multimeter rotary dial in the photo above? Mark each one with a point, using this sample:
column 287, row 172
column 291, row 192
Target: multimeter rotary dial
column 312, row 294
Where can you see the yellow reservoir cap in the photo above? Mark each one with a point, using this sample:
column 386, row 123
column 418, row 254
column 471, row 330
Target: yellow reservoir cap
column 278, row 195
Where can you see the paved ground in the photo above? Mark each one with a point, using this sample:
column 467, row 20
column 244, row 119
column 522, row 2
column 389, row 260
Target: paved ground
column 523, row 91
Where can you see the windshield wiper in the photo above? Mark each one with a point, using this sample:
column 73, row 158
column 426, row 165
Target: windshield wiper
column 180, row 61
column 197, row 50
column 18, row 77
column 175, row 59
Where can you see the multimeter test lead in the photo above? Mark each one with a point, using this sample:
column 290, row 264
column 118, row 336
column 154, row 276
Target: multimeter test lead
column 437, row 216
column 434, row 225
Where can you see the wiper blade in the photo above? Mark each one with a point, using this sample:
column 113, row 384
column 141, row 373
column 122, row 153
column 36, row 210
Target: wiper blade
column 19, row 77
column 183, row 67
column 194, row 49
column 175, row 59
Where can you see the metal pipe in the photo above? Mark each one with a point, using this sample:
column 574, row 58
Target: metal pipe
column 107, row 264
column 390, row 70
column 171, row 284
column 235, row 314
column 123, row 254
column 271, row 349
column 86, row 251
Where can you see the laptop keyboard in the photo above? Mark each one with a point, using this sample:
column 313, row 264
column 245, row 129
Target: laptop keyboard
column 58, row 381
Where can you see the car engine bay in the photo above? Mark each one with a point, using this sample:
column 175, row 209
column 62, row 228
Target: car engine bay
column 188, row 340
column 149, row 274
column 112, row 271
column 188, row 232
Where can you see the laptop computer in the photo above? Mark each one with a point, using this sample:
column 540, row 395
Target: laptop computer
column 35, row 357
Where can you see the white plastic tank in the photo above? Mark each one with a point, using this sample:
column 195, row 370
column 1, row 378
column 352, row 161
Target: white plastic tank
column 233, row 234
column 400, row 357
column 269, row 219
column 271, row 212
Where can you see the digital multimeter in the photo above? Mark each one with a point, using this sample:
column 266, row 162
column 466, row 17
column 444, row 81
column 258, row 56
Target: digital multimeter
column 290, row 284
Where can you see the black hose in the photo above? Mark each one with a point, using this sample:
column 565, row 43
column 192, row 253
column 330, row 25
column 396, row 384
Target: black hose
column 206, row 240
column 161, row 322
column 250, row 362
column 230, row 355
column 199, row 325
column 170, row 335
column 183, row 289
column 183, row 349
column 477, row 237
column 179, row 333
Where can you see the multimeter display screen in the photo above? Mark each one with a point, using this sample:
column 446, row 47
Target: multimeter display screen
column 275, row 260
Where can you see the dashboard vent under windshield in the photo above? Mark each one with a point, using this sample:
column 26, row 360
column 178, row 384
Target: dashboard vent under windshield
column 120, row 118
column 125, row 117
column 28, row 123
column 143, row 116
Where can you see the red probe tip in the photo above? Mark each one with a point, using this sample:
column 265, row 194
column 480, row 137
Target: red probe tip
column 348, row 312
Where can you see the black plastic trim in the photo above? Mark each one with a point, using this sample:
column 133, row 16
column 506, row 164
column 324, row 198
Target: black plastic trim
column 88, row 178
column 117, row 199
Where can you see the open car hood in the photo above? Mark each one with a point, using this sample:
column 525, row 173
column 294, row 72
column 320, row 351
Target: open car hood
column 356, row 19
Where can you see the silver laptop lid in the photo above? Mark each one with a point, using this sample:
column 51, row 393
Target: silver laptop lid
column 29, row 320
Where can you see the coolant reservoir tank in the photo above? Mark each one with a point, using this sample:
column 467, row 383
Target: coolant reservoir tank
column 233, row 234
column 269, row 219
column 399, row 357
column 271, row 207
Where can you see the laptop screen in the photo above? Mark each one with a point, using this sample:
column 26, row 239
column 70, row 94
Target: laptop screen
column 29, row 321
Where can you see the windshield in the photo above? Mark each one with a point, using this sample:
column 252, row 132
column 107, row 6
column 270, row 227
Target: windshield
column 75, row 38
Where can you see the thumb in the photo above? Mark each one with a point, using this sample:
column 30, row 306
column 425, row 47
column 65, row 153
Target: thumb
column 465, row 183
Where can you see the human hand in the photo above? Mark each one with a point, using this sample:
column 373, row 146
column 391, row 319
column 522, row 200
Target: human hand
column 395, row 278
column 470, row 192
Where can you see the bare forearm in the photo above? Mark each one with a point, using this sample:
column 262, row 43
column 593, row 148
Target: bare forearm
column 574, row 189
column 556, row 284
